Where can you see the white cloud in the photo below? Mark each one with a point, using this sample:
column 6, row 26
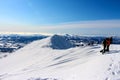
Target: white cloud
column 88, row 24
column 71, row 27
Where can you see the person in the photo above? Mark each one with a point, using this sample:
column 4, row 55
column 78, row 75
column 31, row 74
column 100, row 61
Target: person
column 106, row 44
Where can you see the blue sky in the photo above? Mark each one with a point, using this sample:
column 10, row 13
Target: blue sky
column 85, row 17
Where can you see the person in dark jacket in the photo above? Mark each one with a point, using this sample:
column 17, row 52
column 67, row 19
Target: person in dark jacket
column 106, row 44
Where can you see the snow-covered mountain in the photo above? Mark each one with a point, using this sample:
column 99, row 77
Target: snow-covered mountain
column 12, row 42
column 56, row 58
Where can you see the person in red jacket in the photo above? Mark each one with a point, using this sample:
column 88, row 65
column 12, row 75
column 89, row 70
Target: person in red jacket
column 106, row 44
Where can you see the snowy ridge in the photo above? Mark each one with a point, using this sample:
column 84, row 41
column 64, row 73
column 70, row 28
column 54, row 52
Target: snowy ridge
column 12, row 42
column 54, row 42
column 39, row 60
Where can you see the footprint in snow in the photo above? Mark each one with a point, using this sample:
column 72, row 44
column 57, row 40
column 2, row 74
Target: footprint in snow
column 109, row 69
column 110, row 64
column 107, row 78
column 118, row 72
column 113, row 73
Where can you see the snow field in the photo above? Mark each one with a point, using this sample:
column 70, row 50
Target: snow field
column 44, row 60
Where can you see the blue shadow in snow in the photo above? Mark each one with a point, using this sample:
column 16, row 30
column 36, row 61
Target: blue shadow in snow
column 113, row 51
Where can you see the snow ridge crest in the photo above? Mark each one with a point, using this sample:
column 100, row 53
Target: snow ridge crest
column 59, row 42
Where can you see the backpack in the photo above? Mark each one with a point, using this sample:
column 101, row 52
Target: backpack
column 108, row 42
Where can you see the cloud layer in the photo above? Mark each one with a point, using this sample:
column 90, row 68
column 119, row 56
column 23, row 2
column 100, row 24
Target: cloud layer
column 93, row 27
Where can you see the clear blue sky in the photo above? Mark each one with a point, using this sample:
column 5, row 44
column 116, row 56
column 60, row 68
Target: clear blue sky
column 35, row 15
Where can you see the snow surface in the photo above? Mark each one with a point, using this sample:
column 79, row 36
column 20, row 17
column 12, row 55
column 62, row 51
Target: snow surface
column 46, row 60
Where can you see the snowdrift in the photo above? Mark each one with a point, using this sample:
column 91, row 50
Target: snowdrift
column 47, row 59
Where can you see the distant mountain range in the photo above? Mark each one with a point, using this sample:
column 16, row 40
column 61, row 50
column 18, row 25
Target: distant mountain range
column 13, row 42
column 91, row 39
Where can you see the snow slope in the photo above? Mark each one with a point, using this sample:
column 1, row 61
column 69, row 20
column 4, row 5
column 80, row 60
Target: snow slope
column 46, row 60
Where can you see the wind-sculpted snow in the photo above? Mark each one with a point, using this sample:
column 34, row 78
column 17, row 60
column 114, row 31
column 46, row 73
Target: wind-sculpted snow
column 38, row 61
column 60, row 42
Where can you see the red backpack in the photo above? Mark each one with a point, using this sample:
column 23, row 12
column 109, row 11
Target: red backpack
column 108, row 42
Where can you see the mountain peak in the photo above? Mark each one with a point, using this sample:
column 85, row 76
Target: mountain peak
column 60, row 42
